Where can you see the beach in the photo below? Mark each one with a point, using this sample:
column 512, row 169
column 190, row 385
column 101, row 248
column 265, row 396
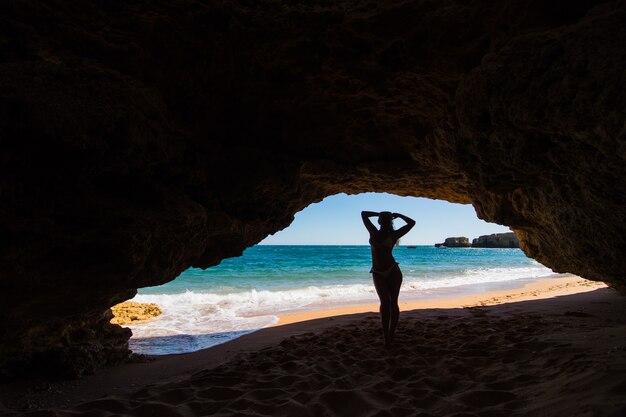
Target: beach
column 553, row 347
column 244, row 181
column 554, row 286
column 204, row 308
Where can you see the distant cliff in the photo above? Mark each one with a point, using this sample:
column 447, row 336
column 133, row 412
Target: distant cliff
column 497, row 240
column 455, row 242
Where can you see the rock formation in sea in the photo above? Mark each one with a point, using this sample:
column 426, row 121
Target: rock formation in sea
column 132, row 312
column 496, row 240
column 141, row 138
column 455, row 242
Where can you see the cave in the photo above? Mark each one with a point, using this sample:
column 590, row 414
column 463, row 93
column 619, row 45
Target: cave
column 143, row 138
column 203, row 308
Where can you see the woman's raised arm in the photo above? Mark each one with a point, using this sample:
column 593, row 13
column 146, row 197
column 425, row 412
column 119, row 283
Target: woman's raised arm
column 404, row 229
column 365, row 216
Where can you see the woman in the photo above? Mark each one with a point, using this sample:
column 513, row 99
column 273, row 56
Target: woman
column 385, row 269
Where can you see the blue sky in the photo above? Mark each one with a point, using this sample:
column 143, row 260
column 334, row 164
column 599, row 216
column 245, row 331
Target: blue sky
column 337, row 221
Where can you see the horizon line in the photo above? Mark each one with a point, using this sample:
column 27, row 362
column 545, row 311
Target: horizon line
column 356, row 244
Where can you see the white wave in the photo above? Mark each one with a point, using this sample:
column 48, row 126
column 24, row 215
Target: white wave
column 199, row 312
column 196, row 320
column 475, row 276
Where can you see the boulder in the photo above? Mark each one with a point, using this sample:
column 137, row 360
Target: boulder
column 132, row 312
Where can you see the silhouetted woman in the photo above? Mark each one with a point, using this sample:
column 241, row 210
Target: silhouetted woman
column 385, row 269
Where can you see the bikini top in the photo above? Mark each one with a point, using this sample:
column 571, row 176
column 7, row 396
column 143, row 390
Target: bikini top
column 386, row 241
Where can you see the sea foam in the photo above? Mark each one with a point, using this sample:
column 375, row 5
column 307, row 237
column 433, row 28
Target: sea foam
column 194, row 320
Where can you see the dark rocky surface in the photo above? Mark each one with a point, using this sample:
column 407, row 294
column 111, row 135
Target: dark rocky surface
column 141, row 138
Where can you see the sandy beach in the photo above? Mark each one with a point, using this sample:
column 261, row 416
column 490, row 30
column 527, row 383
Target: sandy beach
column 548, row 287
column 554, row 347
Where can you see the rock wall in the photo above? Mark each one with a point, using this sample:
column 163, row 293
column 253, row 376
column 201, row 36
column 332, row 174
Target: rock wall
column 496, row 240
column 141, row 138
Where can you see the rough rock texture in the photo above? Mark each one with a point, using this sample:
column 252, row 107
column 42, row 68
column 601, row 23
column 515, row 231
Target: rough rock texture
column 455, row 242
column 140, row 138
column 496, row 240
column 131, row 312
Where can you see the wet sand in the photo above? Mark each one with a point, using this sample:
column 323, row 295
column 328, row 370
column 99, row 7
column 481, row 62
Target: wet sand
column 551, row 352
column 554, row 286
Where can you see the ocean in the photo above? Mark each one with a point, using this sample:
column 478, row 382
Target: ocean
column 203, row 308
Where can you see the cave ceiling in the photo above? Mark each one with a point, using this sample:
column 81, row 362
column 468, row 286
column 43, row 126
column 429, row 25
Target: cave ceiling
column 141, row 138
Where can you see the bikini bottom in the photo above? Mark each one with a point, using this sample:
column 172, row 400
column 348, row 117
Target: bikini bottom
column 386, row 272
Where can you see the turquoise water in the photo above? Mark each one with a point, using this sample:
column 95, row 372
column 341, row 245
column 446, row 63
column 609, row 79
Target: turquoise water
column 277, row 268
column 204, row 308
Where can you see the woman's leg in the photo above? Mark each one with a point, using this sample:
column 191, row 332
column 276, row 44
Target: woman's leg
column 380, row 284
column 394, row 282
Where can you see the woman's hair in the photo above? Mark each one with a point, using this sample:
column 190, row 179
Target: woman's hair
column 385, row 218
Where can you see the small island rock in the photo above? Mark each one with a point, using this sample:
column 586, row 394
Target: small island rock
column 455, row 242
column 497, row 240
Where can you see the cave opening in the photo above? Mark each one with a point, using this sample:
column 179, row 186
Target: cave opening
column 321, row 261
column 143, row 138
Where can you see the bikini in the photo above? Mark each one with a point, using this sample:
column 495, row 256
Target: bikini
column 385, row 272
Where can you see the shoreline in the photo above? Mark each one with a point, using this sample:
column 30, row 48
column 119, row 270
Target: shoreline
column 203, row 308
column 549, row 331
column 438, row 297
column 539, row 288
